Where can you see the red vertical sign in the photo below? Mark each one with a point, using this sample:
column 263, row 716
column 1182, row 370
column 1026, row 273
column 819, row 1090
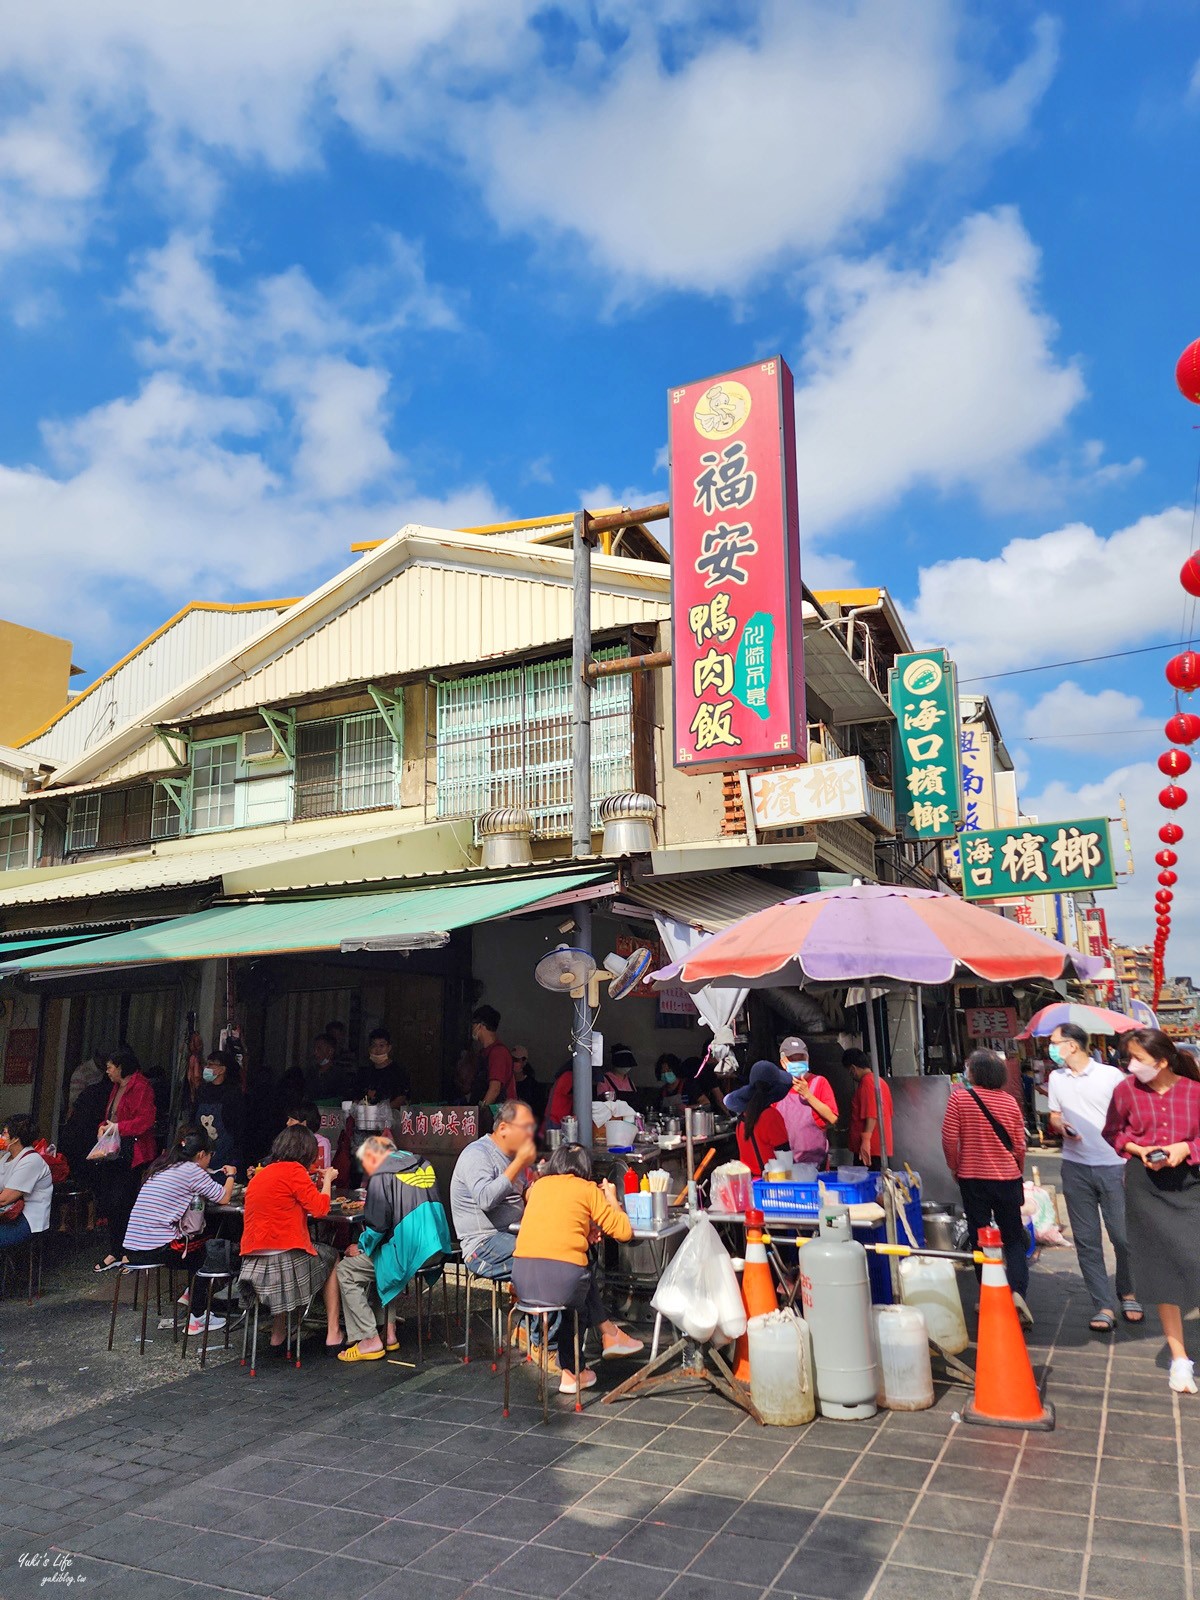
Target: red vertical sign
column 737, row 626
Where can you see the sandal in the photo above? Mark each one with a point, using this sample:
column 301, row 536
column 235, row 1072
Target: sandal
column 107, row 1266
column 1103, row 1322
column 1131, row 1310
column 355, row 1353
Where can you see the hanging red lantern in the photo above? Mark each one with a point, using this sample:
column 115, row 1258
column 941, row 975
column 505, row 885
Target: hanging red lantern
column 1166, row 858
column 1174, row 763
column 1172, row 797
column 1187, row 373
column 1170, row 833
column 1189, row 573
column 1183, row 671
column 1167, row 878
column 1183, row 728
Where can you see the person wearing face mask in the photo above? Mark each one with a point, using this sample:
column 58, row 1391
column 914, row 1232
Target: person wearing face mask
column 1080, row 1091
column 667, row 1070
column 1153, row 1123
column 219, row 1108
column 383, row 1078
column 809, row 1109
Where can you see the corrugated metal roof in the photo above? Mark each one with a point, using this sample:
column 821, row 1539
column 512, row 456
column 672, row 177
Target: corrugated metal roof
column 312, row 860
column 707, row 900
column 184, row 645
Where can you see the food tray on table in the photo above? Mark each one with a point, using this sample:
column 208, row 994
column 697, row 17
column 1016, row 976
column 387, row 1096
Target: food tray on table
column 804, row 1199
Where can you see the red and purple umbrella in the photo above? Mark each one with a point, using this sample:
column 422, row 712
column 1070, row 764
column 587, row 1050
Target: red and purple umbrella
column 1092, row 1019
column 869, row 932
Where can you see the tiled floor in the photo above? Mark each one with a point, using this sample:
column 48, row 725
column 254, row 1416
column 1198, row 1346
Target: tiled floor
column 335, row 1484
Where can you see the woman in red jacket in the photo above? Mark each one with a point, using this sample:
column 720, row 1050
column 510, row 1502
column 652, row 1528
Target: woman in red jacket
column 280, row 1263
column 130, row 1112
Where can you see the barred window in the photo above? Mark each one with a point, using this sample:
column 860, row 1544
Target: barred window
column 344, row 764
column 214, row 769
column 504, row 739
column 118, row 817
column 14, row 841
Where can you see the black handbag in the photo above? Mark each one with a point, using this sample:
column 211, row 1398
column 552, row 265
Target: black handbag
column 1001, row 1133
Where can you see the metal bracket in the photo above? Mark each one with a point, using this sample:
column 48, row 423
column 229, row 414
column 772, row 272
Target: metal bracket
column 390, row 705
column 181, row 756
column 283, row 730
column 178, row 791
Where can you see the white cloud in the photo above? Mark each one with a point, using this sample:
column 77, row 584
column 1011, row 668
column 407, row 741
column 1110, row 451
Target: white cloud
column 1070, row 718
column 776, row 139
column 341, row 420
column 1069, row 593
column 1130, row 910
column 944, row 376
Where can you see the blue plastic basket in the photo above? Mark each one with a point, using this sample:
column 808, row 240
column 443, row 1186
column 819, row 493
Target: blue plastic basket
column 804, row 1199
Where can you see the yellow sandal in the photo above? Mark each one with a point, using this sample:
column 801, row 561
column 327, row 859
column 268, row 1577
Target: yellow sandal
column 355, row 1353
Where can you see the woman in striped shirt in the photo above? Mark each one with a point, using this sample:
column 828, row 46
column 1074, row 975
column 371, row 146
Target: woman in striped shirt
column 174, row 1182
column 983, row 1138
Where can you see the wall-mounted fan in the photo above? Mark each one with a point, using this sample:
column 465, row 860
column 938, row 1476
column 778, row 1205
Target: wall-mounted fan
column 626, row 972
column 565, row 971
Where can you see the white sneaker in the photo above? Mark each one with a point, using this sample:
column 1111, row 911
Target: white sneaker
column 1183, row 1376
column 196, row 1326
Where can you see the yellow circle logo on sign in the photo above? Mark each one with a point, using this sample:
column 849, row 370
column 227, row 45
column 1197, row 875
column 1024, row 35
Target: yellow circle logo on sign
column 721, row 410
column 922, row 677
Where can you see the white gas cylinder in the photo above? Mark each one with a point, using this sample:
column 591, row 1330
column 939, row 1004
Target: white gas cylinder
column 931, row 1285
column 781, row 1369
column 836, row 1296
column 905, row 1375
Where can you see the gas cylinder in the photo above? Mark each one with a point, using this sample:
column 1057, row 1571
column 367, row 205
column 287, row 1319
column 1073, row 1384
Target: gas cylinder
column 836, row 1294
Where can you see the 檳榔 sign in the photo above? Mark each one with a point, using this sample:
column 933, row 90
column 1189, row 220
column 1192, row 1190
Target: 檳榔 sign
column 823, row 792
column 737, row 637
column 927, row 777
column 1037, row 858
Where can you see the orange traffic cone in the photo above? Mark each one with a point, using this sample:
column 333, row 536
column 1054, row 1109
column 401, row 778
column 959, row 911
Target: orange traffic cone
column 758, row 1289
column 1006, row 1391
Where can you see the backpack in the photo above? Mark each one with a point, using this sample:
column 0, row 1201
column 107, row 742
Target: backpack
column 60, row 1169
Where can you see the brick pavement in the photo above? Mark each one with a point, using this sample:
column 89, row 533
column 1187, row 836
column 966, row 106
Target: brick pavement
column 334, row 1484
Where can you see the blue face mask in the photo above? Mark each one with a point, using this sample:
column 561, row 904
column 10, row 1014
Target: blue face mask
column 209, row 1075
column 798, row 1069
column 669, row 1079
column 1056, row 1055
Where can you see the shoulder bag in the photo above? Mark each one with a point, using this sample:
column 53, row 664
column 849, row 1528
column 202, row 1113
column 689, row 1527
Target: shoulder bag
column 1001, row 1133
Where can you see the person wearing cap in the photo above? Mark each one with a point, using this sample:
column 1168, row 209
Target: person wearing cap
column 760, row 1128
column 809, row 1109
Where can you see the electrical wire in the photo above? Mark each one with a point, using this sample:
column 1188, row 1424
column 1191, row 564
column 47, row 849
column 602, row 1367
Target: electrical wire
column 1079, row 661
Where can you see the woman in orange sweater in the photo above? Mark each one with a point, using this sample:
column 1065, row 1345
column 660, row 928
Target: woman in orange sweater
column 565, row 1212
column 280, row 1263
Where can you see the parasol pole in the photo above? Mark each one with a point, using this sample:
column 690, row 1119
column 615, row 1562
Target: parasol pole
column 889, row 1204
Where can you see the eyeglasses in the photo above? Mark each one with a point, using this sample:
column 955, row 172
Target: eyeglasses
column 521, row 1061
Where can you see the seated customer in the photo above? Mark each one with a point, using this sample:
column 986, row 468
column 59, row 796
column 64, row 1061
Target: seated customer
column 280, row 1263
column 487, row 1190
column 26, row 1186
column 405, row 1231
column 174, row 1181
column 760, row 1128
column 564, row 1213
column 307, row 1115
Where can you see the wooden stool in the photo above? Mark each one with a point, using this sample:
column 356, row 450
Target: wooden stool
column 212, row 1279
column 527, row 1309
column 139, row 1271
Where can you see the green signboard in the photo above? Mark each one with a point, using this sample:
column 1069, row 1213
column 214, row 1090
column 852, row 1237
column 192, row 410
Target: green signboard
column 1037, row 858
column 927, row 773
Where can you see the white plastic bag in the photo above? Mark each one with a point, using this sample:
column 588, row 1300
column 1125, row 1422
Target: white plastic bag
column 1039, row 1209
column 699, row 1290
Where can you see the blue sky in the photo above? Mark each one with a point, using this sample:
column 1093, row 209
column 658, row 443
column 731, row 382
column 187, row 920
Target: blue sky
column 276, row 278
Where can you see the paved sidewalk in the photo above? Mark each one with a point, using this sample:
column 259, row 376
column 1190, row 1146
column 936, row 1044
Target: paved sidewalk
column 333, row 1483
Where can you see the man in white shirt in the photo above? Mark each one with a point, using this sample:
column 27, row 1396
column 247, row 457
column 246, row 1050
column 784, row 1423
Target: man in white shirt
column 1093, row 1174
column 24, row 1176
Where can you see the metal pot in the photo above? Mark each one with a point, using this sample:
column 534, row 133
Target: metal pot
column 939, row 1226
column 553, row 1138
column 703, row 1124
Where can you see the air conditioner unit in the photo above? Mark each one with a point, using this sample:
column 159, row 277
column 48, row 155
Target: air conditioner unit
column 259, row 745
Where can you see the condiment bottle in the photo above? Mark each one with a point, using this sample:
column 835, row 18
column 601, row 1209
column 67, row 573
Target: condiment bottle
column 645, row 1184
column 631, row 1181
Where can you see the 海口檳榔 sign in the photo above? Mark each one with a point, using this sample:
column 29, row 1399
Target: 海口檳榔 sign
column 1037, row 858
column 737, row 637
column 927, row 776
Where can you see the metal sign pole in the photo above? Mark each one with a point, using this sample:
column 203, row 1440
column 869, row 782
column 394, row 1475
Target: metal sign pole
column 581, row 801
column 889, row 1204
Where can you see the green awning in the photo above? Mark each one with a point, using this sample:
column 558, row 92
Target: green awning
column 43, row 942
column 404, row 918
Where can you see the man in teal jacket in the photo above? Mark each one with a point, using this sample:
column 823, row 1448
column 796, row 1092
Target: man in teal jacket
column 405, row 1230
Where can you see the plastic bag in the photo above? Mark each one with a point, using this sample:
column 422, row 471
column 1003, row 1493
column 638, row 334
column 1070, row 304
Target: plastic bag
column 106, row 1148
column 1039, row 1209
column 699, row 1291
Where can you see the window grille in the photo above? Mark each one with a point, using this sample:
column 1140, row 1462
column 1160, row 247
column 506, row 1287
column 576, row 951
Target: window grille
column 14, row 842
column 120, row 817
column 344, row 764
column 83, row 825
column 504, row 739
column 214, row 769
column 165, row 819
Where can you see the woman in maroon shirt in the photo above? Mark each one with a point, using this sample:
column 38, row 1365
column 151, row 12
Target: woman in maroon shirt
column 1154, row 1122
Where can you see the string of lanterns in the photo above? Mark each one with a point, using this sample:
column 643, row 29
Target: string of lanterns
column 1183, row 675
